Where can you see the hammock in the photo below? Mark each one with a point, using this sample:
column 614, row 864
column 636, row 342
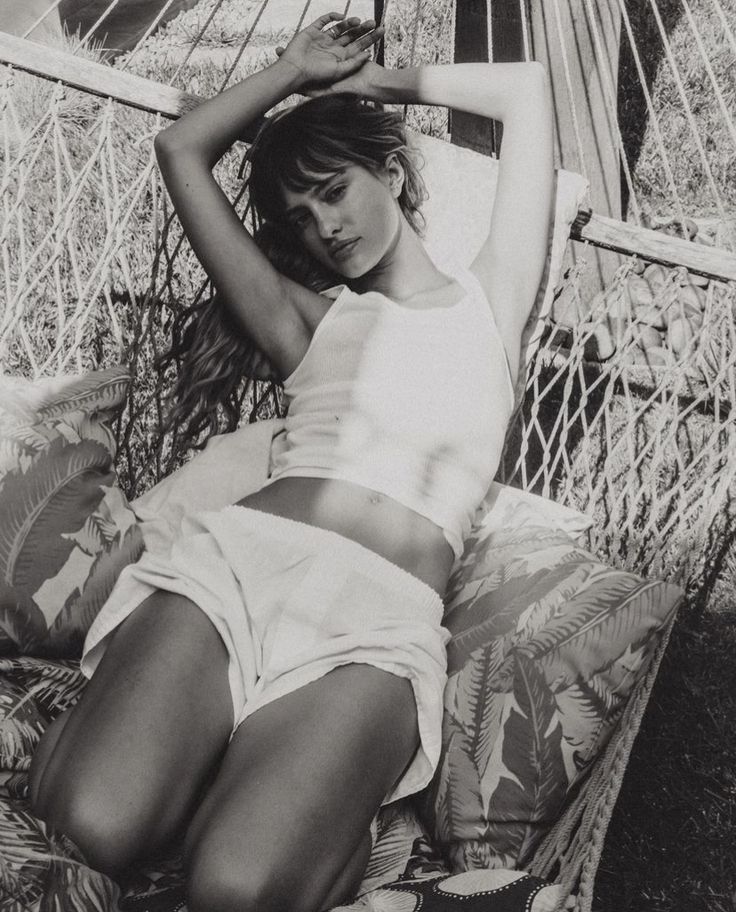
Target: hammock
column 94, row 268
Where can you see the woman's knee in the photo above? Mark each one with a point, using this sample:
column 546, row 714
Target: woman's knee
column 106, row 824
column 106, row 836
column 218, row 882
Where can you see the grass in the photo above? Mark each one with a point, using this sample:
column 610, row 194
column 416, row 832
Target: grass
column 688, row 163
column 670, row 846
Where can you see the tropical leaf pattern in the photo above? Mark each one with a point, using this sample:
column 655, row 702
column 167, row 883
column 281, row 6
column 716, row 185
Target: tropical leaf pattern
column 40, row 506
column 42, row 869
column 96, row 391
column 80, row 609
column 67, row 529
column 32, row 692
column 21, row 620
column 547, row 645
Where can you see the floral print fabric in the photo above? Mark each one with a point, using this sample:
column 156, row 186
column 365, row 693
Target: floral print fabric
column 66, row 530
column 547, row 645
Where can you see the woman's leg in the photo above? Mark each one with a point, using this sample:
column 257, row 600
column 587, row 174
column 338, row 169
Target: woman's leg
column 285, row 824
column 122, row 770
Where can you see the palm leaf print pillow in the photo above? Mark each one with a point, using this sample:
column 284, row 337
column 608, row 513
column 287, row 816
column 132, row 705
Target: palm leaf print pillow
column 66, row 530
column 547, row 645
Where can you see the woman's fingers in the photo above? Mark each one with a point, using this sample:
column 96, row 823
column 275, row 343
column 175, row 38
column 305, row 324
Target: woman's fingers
column 324, row 20
column 341, row 31
column 355, row 30
column 366, row 40
column 345, row 32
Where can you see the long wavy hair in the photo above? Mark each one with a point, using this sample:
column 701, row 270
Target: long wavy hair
column 214, row 356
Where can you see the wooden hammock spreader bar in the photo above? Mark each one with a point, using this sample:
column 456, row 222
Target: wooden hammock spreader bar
column 158, row 98
column 612, row 234
column 99, row 78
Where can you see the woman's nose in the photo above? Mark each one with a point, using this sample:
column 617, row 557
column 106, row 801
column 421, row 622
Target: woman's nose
column 328, row 224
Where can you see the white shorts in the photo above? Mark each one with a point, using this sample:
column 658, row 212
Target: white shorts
column 291, row 602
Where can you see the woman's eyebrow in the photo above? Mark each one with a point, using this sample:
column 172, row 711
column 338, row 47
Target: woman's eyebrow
column 316, row 188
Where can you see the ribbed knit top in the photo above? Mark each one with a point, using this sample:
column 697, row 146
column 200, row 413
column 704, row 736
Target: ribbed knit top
column 410, row 402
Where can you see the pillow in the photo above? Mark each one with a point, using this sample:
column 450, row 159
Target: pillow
column 230, row 467
column 453, row 173
column 506, row 507
column 66, row 529
column 32, row 692
column 546, row 646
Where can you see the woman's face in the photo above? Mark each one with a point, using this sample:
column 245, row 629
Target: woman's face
column 350, row 219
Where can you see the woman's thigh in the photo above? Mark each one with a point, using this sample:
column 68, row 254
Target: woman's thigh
column 296, row 792
column 124, row 767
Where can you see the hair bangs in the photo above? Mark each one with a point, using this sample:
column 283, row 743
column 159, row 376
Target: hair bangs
column 308, row 143
column 304, row 165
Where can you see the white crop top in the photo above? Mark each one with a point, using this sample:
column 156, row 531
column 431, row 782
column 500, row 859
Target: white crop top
column 411, row 403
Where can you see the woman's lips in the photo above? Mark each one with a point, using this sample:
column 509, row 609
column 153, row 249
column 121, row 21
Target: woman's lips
column 344, row 250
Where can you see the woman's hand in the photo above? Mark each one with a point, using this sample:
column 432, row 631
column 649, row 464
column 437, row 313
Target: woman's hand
column 332, row 59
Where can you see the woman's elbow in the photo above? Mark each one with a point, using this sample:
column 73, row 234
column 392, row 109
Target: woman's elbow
column 174, row 155
column 163, row 143
column 170, row 141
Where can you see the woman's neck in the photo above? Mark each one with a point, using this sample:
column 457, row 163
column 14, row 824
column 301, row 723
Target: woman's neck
column 405, row 270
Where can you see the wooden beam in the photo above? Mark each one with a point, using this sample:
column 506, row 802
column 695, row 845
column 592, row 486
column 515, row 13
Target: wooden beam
column 471, row 46
column 95, row 78
column 585, row 108
column 612, row 234
column 507, row 31
column 100, row 79
column 155, row 97
column 378, row 13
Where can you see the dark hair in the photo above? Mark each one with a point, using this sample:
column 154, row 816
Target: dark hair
column 322, row 135
column 292, row 148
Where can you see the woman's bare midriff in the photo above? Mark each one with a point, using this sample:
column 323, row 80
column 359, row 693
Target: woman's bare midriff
column 374, row 520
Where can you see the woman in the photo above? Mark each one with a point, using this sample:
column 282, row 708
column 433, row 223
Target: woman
column 269, row 736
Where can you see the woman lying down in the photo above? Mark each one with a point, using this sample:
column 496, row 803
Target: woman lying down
column 264, row 689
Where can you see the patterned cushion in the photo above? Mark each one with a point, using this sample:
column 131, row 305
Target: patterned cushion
column 66, row 529
column 32, row 693
column 547, row 644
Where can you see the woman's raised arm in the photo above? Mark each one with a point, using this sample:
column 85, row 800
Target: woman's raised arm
column 271, row 308
column 511, row 261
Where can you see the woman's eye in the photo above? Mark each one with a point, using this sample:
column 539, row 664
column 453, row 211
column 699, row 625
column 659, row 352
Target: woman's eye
column 300, row 222
column 335, row 192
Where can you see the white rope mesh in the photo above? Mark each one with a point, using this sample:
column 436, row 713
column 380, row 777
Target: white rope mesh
column 648, row 449
column 48, row 12
column 85, row 39
column 725, row 25
column 148, row 32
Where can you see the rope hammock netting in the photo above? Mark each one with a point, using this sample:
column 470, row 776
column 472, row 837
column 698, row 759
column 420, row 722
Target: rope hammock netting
column 629, row 407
